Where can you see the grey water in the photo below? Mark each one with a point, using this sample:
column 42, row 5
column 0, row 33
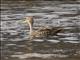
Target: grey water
column 15, row 42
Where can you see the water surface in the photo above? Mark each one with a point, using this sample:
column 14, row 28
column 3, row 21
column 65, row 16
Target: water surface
column 15, row 44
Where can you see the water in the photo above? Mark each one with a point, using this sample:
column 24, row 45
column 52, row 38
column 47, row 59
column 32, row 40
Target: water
column 15, row 43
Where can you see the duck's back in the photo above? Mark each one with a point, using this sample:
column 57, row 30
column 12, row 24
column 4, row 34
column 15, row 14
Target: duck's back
column 46, row 32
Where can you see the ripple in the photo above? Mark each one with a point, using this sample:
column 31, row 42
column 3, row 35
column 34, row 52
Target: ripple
column 52, row 16
column 35, row 14
column 10, row 44
column 16, row 39
column 67, row 12
column 70, row 5
column 53, row 41
column 38, row 40
column 18, row 53
column 67, row 34
column 29, row 55
column 73, row 41
column 69, row 38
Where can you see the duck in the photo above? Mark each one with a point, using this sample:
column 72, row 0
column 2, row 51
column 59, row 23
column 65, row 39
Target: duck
column 44, row 32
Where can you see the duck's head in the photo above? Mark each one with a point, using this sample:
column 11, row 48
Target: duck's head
column 29, row 20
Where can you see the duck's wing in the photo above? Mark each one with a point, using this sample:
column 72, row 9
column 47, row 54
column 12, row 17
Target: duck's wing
column 51, row 31
column 44, row 28
column 42, row 32
column 56, row 30
column 46, row 32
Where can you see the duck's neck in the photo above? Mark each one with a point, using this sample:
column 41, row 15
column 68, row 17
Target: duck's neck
column 31, row 28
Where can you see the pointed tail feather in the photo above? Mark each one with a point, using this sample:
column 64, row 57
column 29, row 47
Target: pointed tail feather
column 57, row 31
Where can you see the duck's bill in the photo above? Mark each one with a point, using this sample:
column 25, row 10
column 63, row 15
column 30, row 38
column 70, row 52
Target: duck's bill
column 22, row 21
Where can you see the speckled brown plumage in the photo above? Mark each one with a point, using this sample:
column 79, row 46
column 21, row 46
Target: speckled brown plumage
column 46, row 32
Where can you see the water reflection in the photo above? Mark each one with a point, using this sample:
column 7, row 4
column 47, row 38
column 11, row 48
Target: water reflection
column 15, row 36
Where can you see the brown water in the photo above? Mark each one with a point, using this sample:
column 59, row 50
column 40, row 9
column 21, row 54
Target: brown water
column 15, row 44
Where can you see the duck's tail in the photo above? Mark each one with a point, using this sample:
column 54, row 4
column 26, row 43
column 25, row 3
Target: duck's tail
column 57, row 30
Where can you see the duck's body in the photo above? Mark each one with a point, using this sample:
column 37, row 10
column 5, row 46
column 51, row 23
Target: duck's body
column 43, row 32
